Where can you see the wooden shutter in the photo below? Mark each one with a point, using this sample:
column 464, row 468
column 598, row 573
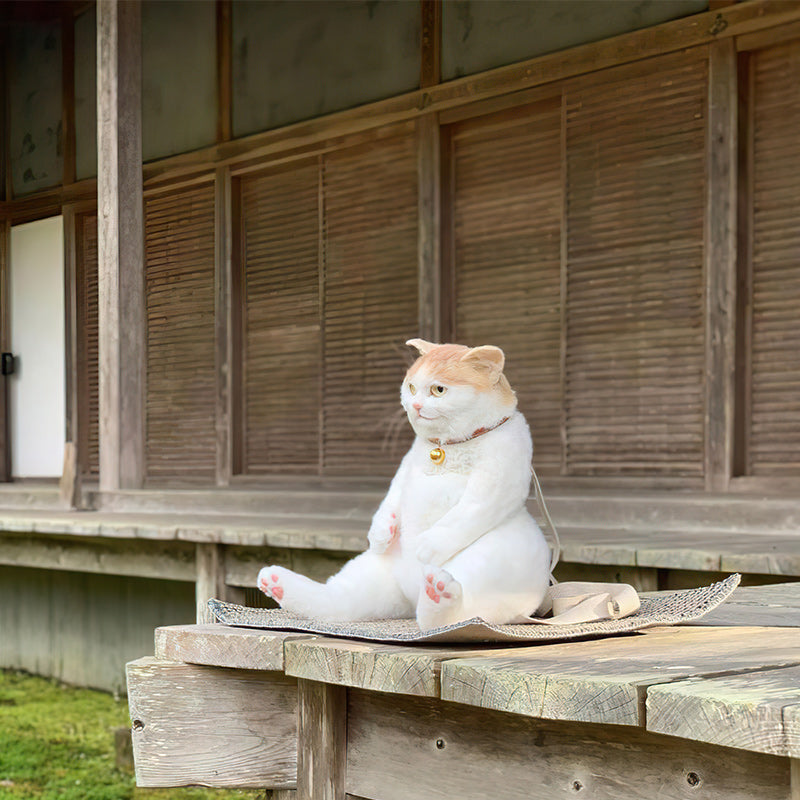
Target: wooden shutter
column 635, row 331
column 281, row 325
column 507, row 207
column 370, row 301
column 89, row 400
column 180, row 399
column 774, row 433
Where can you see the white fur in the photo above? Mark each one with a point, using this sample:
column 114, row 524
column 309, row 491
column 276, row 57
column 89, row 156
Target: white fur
column 462, row 525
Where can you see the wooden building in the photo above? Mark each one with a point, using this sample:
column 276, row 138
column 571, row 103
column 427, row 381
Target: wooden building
column 221, row 220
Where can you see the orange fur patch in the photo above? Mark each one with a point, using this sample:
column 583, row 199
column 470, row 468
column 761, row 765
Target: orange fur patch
column 444, row 363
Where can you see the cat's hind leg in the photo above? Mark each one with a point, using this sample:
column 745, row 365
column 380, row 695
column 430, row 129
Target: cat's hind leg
column 364, row 588
column 440, row 601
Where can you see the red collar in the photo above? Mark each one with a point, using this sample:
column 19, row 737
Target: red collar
column 475, row 435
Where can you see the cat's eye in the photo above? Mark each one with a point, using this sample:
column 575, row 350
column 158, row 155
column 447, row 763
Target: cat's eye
column 438, row 391
column 412, row 388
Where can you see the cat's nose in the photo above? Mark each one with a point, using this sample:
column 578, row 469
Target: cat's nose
column 416, row 406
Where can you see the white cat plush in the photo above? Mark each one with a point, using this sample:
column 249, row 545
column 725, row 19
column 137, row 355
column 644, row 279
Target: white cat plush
column 452, row 539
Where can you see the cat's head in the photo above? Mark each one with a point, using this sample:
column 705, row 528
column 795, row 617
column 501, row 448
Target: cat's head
column 451, row 390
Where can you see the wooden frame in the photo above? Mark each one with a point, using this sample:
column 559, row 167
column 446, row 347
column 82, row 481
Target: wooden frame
column 720, row 263
column 726, row 27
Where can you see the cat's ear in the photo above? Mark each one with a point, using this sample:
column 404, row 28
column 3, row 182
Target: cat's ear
column 421, row 345
column 487, row 359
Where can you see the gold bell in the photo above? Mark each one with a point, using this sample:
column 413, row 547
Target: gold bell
column 437, row 455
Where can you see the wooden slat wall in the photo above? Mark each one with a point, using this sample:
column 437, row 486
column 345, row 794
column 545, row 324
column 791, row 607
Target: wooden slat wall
column 774, row 434
column 578, row 243
column 507, row 209
column 370, row 301
column 281, row 319
column 180, row 399
column 88, row 316
column 635, row 331
column 329, row 295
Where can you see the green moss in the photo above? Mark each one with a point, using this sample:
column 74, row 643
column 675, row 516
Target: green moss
column 58, row 742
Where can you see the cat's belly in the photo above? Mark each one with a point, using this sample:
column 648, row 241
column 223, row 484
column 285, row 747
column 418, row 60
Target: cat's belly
column 427, row 498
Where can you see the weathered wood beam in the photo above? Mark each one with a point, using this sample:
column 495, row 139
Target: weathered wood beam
column 429, row 229
column 322, row 741
column 197, row 725
column 403, row 747
column 431, row 42
column 120, row 245
column 224, row 322
column 720, row 263
column 172, row 561
column 210, row 579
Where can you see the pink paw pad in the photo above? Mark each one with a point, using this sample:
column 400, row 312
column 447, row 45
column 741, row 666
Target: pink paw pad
column 273, row 589
column 440, row 586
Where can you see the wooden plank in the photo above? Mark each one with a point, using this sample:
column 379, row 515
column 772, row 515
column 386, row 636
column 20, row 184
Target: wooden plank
column 223, row 646
column 196, row 725
column 399, row 669
column 795, row 778
column 172, row 561
column 322, row 741
column 720, row 262
column 210, row 578
column 120, row 246
column 747, row 711
column 606, row 680
column 415, row 747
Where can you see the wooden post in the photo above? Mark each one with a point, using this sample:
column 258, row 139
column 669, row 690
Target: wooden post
column 720, row 264
column 120, row 245
column 429, row 237
column 794, row 767
column 225, row 297
column 210, row 580
column 5, row 430
column 321, row 740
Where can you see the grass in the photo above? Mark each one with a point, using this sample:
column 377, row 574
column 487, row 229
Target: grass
column 58, row 742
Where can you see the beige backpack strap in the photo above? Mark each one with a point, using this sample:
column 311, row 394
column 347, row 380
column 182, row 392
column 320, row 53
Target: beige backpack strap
column 575, row 601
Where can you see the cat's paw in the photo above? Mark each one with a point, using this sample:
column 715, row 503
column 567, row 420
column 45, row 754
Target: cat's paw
column 433, row 549
column 383, row 533
column 439, row 601
column 270, row 581
column 441, row 586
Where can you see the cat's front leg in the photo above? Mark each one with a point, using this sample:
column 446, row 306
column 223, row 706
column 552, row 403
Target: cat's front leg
column 384, row 531
column 434, row 547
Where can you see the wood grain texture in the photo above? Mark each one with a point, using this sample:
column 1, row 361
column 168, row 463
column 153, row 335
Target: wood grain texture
column 120, row 246
column 752, row 711
column 399, row 669
column 606, row 680
column 223, row 646
column 212, row 727
column 209, row 578
column 181, row 378
column 415, row 747
column 720, row 262
column 167, row 561
column 322, row 741
column 773, row 439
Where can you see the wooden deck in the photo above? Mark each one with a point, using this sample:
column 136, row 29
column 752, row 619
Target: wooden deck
column 707, row 710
